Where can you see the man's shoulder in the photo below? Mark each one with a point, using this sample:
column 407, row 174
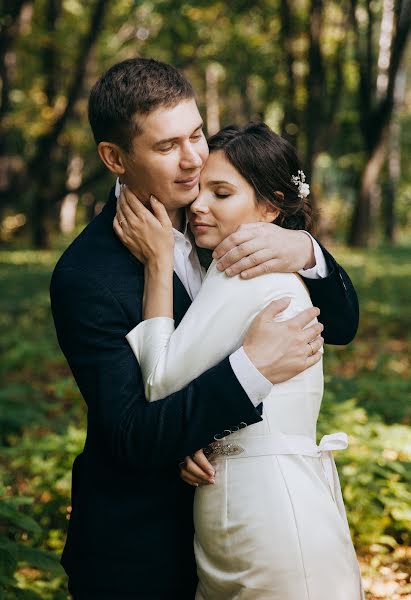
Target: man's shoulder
column 88, row 245
column 97, row 249
column 97, row 227
column 96, row 256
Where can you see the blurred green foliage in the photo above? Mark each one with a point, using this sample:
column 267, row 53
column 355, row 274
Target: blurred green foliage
column 42, row 417
column 41, row 431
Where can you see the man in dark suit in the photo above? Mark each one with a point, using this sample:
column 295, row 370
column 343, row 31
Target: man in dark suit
column 130, row 532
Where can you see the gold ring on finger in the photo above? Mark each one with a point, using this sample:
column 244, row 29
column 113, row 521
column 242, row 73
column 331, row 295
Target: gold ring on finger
column 312, row 349
column 122, row 221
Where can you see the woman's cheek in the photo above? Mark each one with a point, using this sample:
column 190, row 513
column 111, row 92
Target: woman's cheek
column 227, row 219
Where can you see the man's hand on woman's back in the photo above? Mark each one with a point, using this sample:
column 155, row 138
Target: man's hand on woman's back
column 282, row 349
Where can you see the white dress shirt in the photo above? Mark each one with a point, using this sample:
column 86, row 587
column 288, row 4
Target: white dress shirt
column 191, row 274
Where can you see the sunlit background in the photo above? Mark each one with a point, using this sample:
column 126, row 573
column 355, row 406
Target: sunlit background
column 335, row 79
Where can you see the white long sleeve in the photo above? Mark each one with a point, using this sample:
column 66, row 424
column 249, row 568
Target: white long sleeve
column 213, row 327
column 320, row 269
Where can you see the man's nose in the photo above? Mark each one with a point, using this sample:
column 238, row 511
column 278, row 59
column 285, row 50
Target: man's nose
column 190, row 158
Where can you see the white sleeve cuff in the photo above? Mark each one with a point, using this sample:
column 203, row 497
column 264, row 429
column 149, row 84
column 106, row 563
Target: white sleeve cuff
column 320, row 269
column 255, row 385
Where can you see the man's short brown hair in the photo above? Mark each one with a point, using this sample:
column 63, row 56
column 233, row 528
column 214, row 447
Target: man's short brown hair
column 129, row 88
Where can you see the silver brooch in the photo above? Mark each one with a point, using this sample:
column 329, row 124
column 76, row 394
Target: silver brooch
column 219, row 449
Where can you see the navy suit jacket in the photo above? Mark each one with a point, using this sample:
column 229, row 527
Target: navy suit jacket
column 130, row 532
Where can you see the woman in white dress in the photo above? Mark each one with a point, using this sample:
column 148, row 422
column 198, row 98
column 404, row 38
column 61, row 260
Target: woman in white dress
column 273, row 526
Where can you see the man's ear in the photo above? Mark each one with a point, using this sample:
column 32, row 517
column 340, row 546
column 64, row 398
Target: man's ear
column 112, row 157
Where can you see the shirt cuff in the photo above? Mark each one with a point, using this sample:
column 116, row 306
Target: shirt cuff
column 255, row 385
column 320, row 269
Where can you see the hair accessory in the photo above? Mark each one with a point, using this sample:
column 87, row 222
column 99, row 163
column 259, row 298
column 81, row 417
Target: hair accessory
column 303, row 188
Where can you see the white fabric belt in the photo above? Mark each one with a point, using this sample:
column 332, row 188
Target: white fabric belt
column 282, row 444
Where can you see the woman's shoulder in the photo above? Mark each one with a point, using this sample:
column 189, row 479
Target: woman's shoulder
column 289, row 283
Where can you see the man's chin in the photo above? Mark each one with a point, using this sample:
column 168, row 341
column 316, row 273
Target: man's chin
column 187, row 197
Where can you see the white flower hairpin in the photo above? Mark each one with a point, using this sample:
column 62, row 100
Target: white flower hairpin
column 299, row 180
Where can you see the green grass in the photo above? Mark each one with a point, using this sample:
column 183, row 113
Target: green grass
column 42, row 417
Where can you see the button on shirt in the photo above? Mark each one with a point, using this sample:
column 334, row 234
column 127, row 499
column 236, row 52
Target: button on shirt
column 191, row 274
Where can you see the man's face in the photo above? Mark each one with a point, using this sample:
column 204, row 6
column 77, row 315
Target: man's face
column 167, row 157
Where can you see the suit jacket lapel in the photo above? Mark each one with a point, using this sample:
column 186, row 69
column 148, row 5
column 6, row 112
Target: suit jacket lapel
column 181, row 299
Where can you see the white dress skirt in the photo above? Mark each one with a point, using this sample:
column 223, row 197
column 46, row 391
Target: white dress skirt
column 273, row 526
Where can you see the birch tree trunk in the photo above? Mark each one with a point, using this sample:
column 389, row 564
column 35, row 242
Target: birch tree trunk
column 68, row 208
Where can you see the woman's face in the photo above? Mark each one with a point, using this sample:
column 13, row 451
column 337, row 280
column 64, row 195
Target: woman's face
column 226, row 201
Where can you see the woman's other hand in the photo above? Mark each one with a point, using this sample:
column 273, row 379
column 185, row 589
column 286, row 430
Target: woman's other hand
column 148, row 235
column 196, row 470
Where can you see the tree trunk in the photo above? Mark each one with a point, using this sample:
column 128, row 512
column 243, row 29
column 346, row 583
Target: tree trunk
column 48, row 143
column 247, row 107
column 9, row 31
column 315, row 86
column 290, row 126
column 68, row 208
column 394, row 162
column 376, row 112
column 394, row 169
column 361, row 220
column 38, row 219
column 212, row 99
column 12, row 21
column 49, row 52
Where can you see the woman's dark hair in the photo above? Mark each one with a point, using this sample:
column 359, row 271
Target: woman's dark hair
column 267, row 162
column 129, row 88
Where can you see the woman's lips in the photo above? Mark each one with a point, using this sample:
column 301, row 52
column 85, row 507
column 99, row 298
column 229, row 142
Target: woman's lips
column 189, row 183
column 200, row 227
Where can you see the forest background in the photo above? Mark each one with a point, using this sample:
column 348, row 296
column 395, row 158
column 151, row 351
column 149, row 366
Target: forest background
column 335, row 79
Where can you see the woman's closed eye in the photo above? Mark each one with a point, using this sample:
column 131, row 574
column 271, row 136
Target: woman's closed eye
column 221, row 195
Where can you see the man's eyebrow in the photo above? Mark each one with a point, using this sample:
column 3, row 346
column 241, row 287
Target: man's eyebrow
column 173, row 139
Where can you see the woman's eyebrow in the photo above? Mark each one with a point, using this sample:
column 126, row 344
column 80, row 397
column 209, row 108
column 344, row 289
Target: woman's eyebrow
column 220, row 182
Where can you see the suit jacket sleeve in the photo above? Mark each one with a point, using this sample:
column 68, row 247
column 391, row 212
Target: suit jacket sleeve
column 335, row 296
column 91, row 328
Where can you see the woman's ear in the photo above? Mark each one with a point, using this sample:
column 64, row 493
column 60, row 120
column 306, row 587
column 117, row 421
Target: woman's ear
column 270, row 212
column 112, row 157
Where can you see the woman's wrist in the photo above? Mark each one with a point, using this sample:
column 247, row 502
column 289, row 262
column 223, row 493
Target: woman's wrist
column 158, row 290
column 159, row 267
